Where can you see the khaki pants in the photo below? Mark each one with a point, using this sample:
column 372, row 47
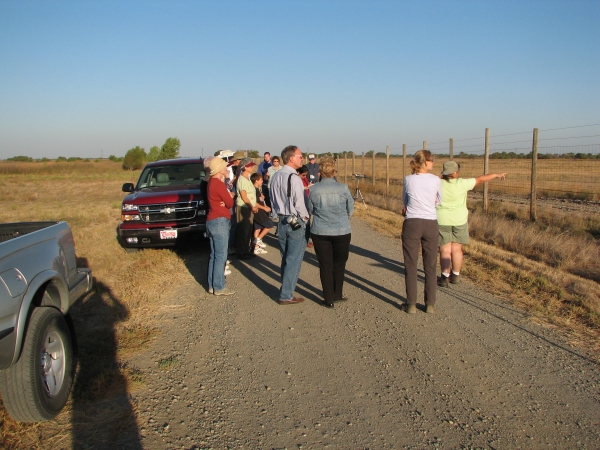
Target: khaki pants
column 420, row 233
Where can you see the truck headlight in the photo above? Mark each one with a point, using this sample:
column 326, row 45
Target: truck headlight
column 129, row 207
column 129, row 217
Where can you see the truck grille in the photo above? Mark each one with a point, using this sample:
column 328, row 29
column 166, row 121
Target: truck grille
column 168, row 212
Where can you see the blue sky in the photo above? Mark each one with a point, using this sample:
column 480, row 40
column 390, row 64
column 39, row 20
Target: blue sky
column 92, row 78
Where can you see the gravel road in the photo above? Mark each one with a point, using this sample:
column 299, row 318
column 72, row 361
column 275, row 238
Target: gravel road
column 245, row 372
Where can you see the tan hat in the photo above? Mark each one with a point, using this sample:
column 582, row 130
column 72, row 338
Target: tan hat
column 238, row 155
column 216, row 165
column 450, row 167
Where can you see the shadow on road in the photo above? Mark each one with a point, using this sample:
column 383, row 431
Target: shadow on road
column 480, row 304
column 266, row 276
column 102, row 414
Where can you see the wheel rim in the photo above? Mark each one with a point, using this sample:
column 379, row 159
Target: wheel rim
column 53, row 363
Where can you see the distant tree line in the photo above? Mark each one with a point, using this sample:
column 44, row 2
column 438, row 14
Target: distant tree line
column 136, row 157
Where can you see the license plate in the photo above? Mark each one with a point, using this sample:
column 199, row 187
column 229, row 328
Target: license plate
column 168, row 234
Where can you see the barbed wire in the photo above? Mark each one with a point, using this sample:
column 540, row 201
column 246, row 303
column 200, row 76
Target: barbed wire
column 512, row 134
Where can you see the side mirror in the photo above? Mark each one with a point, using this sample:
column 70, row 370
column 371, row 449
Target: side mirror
column 128, row 187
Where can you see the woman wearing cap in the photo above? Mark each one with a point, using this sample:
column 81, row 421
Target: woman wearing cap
column 245, row 208
column 421, row 194
column 452, row 215
column 220, row 200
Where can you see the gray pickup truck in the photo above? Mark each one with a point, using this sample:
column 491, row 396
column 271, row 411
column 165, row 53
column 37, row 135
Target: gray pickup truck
column 39, row 281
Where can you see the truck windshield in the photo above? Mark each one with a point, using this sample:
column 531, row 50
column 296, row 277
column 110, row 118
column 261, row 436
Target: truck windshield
column 171, row 175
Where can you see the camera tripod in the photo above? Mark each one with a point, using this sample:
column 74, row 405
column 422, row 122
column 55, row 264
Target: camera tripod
column 357, row 193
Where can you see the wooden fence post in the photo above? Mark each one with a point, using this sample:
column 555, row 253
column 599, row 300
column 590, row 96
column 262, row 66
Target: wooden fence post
column 451, row 149
column 353, row 163
column 403, row 161
column 387, row 171
column 486, row 163
column 534, row 153
column 363, row 163
column 424, row 145
column 373, row 172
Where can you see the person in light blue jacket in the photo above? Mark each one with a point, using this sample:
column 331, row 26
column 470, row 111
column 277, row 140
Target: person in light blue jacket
column 331, row 206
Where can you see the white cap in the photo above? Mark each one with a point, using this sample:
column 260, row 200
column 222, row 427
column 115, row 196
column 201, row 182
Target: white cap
column 311, row 156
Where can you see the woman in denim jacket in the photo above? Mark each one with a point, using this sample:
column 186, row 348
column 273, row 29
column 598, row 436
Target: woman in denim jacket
column 331, row 205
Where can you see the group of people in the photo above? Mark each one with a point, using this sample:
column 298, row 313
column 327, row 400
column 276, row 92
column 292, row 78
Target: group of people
column 436, row 221
column 309, row 204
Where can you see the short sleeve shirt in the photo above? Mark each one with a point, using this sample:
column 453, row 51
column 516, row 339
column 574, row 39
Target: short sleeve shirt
column 244, row 184
column 453, row 209
column 421, row 194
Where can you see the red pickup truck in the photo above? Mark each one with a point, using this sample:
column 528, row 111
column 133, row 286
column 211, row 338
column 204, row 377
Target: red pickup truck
column 167, row 205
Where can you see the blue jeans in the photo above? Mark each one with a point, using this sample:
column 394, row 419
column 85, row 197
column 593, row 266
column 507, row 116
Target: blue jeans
column 292, row 245
column 218, row 233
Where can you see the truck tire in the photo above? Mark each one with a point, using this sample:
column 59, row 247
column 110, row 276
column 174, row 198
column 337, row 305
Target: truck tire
column 37, row 387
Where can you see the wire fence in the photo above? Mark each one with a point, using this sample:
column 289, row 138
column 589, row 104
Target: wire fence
column 534, row 170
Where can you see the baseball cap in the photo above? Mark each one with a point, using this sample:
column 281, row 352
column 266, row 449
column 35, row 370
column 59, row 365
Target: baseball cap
column 450, row 167
column 311, row 156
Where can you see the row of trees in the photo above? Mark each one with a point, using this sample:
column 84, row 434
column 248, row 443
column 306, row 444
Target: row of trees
column 136, row 157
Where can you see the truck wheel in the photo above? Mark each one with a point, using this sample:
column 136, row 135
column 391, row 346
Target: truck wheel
column 37, row 387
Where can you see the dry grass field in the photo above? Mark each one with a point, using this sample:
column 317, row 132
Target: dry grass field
column 116, row 318
column 551, row 267
column 561, row 178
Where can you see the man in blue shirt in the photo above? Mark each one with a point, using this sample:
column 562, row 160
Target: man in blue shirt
column 313, row 170
column 287, row 198
column 263, row 170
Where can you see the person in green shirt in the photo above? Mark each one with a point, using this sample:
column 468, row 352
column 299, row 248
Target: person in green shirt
column 453, row 216
column 245, row 208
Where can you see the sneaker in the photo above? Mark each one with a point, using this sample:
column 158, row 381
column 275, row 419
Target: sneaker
column 224, row 292
column 454, row 279
column 410, row 309
column 443, row 281
column 430, row 309
column 227, row 272
column 211, row 291
column 259, row 251
column 260, row 243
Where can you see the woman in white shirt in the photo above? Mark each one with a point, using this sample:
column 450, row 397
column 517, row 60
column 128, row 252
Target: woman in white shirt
column 421, row 194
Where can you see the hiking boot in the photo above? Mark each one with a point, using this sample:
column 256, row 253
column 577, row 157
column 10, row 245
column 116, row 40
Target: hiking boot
column 443, row 280
column 454, row 279
column 410, row 309
column 430, row 309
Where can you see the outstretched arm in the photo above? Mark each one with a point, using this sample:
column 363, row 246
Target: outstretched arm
column 489, row 177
